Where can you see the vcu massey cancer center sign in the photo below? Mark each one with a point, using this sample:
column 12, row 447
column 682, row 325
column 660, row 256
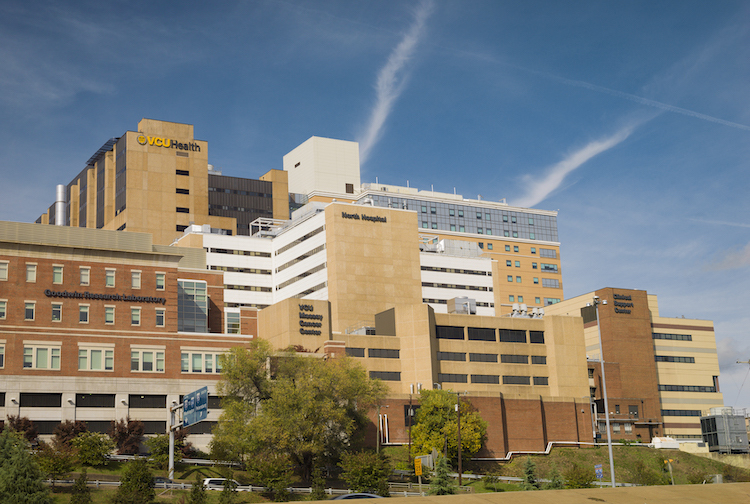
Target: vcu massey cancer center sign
column 168, row 143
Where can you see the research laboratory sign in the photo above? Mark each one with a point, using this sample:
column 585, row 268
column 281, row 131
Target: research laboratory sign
column 356, row 216
column 623, row 303
column 309, row 322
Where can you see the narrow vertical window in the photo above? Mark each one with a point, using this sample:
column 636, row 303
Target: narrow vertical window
column 85, row 276
column 135, row 279
column 159, row 317
column 56, row 312
column 160, row 281
column 83, row 314
column 31, row 273
column 109, row 278
column 135, row 316
column 109, row 314
column 29, row 309
column 57, row 274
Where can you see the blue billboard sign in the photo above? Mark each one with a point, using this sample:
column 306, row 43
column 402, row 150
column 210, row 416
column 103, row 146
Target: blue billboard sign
column 195, row 407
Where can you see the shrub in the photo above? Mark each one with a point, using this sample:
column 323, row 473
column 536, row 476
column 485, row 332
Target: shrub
column 579, row 476
column 93, row 448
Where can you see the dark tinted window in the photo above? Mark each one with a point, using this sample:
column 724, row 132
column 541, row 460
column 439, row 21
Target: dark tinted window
column 512, row 336
column 355, row 352
column 536, row 337
column 481, row 334
column 95, row 400
column 147, row 401
column 449, row 332
column 31, row 400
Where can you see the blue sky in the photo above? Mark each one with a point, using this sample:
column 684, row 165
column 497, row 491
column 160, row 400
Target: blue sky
column 630, row 118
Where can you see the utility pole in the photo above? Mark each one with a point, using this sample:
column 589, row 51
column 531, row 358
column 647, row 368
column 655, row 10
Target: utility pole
column 458, row 411
column 604, row 390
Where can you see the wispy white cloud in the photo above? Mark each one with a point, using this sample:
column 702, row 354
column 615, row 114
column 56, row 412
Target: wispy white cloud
column 392, row 80
column 538, row 190
column 732, row 259
column 722, row 223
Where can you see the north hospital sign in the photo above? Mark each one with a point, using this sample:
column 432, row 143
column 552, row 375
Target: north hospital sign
column 168, row 143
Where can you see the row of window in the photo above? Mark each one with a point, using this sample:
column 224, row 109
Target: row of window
column 488, row 334
column 492, row 379
column 482, row 357
column 230, row 269
column 673, row 358
column 676, row 337
column 84, row 275
column 101, row 358
column 686, row 388
column 139, row 401
column 239, row 192
column 627, row 427
column 454, row 286
column 380, row 353
column 512, row 298
column 456, row 270
column 83, row 313
column 480, row 304
column 251, row 253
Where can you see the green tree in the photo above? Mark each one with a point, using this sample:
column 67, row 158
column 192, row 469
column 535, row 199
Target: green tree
column 198, row 492
column 366, row 472
column 23, row 425
column 436, row 424
column 20, row 477
column 317, row 484
column 555, row 480
column 271, row 470
column 93, row 448
column 56, row 460
column 530, row 480
column 441, row 483
column 81, row 493
column 228, row 494
column 159, row 448
column 127, row 435
column 579, row 476
column 135, row 485
column 312, row 409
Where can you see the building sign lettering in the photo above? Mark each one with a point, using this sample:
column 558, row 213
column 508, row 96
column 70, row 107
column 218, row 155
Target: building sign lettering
column 168, row 143
column 104, row 297
column 356, row 216
column 309, row 320
column 623, row 303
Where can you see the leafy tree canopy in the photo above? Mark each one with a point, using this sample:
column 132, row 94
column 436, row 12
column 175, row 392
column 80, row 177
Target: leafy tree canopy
column 437, row 423
column 366, row 472
column 20, row 477
column 135, row 485
column 93, row 448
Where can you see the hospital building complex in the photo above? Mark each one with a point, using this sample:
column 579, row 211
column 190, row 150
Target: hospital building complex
column 151, row 263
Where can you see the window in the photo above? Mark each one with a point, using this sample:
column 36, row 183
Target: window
column 551, row 253
column 2, row 356
column 510, row 278
column 434, row 225
column 109, row 314
column 633, row 411
column 449, row 332
column 488, row 231
column 481, row 245
column 451, row 356
column 481, row 334
column 148, row 401
column 512, row 298
column 617, row 409
column 233, row 322
column 666, row 412
column 508, row 263
column 493, row 379
column 515, row 235
column 536, row 337
column 83, row 314
column 539, row 359
column 433, row 210
column 513, row 220
column 541, row 380
column 3, row 271
column 518, row 279
column 182, row 172
column 506, row 233
column 678, row 337
column 486, row 216
column 424, row 224
column 531, row 221
column 552, row 268
column 29, row 309
column 518, row 264
column 533, row 250
column 39, row 400
column 520, row 299
column 551, row 282
column 505, row 218
column 135, row 279
column 628, row 428
column 95, row 401
column 85, row 275
column 383, row 353
column 3, row 308
column 531, row 236
column 192, row 306
column 536, row 280
column 182, row 191
column 57, row 274
column 489, row 246
column 355, row 352
column 479, row 230
column 56, row 312
column 533, row 265
column 512, row 336
column 460, row 213
column 135, row 316
column 537, row 300
column 551, row 301
column 461, row 229
column 109, row 278
column 31, row 273
column 41, row 357
column 182, row 210
column 200, row 362
column 516, row 380
column 160, row 317
column 424, row 209
column 453, row 227
column 674, row 358
column 451, row 212
column 96, row 359
column 482, row 357
column 451, row 378
column 616, row 427
column 385, row 375
column 479, row 215
column 591, row 372
column 160, row 281
column 507, row 248
column 514, row 359
column 147, row 361
column 515, row 248
column 349, row 188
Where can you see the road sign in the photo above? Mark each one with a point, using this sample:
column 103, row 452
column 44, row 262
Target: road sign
column 418, row 466
column 195, row 407
column 599, row 471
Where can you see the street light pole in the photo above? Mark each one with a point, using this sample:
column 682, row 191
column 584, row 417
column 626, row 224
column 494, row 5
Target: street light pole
column 604, row 390
column 458, row 410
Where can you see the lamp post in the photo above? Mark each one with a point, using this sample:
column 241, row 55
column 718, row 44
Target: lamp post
column 411, row 413
column 458, row 411
column 604, row 390
column 380, row 422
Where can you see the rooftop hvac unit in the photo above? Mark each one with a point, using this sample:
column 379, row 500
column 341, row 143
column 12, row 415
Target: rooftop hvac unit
column 462, row 305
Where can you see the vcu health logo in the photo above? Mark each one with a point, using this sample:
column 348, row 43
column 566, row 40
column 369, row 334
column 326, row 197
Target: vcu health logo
column 168, row 143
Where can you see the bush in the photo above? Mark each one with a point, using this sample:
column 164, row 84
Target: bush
column 272, row 471
column 68, row 430
column 578, row 476
column 127, row 435
column 644, row 475
column 366, row 472
column 135, row 485
column 159, row 448
column 81, row 493
column 93, row 448
column 442, row 483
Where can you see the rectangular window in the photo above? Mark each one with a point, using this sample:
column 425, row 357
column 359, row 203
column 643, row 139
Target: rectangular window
column 135, row 279
column 492, row 379
column 633, row 411
column 515, row 248
column 536, row 337
column 95, row 401
column 383, row 353
column 449, row 332
column 460, row 213
column 41, row 357
column 453, row 227
column 516, row 380
column 147, row 361
column 514, row 359
column 515, row 235
column 518, row 264
column 433, row 210
column 424, row 224
column 385, row 375
column 488, row 231
column 182, row 172
column 531, row 236
column 486, row 216
column 135, row 316
column 451, row 356
column 481, row 334
column 31, row 273
column 533, row 250
column 553, row 283
column 57, row 274
column 479, row 230
column 533, row 265
column 507, row 248
column 513, row 220
column 83, row 314
column 461, row 229
column 674, row 358
column 512, row 336
column 451, row 378
column 531, row 221
column 434, row 225
column 676, row 337
column 160, row 317
column 538, row 300
column 539, row 359
column 39, row 400
column 552, row 268
column 160, row 281
column 628, row 428
column 541, row 380
column 355, row 352
column 349, row 188
column 520, row 299
column 551, row 301
column 96, row 359
column 451, row 212
column 182, row 210
column 56, row 312
column 180, row 190
column 109, row 314
column 2, row 361
column 233, row 322
column 479, row 215
column 109, row 278
column 200, row 362
column 192, row 306
column 506, row 233
column 481, row 245
column 489, row 246
column 508, row 263
column 482, row 357
column 550, row 253
column 424, row 209
column 147, row 401
column 518, row 279
column 85, row 275
column 3, row 271
column 512, row 298
column 3, row 308
column 505, row 218
column 510, row 278
column 29, row 310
